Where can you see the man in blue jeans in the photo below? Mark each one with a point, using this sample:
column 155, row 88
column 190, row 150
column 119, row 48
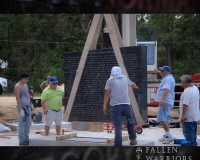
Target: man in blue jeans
column 165, row 97
column 23, row 107
column 189, row 110
column 117, row 90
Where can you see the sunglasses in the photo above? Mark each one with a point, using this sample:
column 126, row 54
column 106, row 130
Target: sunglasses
column 54, row 83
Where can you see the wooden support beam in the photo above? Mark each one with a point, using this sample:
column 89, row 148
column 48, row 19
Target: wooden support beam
column 116, row 44
column 66, row 136
column 111, row 140
column 90, row 44
column 116, row 30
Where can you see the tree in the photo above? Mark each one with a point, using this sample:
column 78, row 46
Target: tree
column 165, row 26
column 36, row 43
column 187, row 48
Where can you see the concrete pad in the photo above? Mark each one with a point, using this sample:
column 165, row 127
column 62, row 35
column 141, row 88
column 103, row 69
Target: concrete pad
column 13, row 126
column 9, row 142
column 149, row 137
column 78, row 141
column 80, row 125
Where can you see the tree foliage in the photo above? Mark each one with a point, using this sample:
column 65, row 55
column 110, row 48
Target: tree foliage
column 178, row 41
column 36, row 43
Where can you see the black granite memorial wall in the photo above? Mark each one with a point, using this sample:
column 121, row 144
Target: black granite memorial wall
column 88, row 103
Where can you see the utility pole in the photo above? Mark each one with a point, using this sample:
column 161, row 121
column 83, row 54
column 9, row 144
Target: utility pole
column 129, row 29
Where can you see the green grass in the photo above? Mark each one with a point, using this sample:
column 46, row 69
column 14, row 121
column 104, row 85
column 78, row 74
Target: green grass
column 7, row 94
column 1, row 113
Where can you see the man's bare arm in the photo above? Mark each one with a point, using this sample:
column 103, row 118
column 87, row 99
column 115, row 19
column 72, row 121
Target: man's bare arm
column 44, row 106
column 133, row 85
column 106, row 97
column 185, row 108
column 41, row 87
column 17, row 91
column 159, row 72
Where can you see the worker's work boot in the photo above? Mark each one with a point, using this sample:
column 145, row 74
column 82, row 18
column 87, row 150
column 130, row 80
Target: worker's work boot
column 24, row 143
column 133, row 142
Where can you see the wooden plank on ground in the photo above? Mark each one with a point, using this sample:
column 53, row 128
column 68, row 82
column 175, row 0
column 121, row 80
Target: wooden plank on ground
column 66, row 136
column 111, row 140
column 50, row 133
column 69, row 130
column 8, row 134
column 53, row 132
column 5, row 137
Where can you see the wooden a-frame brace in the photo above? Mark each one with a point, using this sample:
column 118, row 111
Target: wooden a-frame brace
column 91, row 44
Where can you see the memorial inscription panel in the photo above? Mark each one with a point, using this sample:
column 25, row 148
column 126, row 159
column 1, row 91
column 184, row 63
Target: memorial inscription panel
column 88, row 103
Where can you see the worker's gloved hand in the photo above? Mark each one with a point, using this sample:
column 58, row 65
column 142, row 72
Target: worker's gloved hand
column 21, row 112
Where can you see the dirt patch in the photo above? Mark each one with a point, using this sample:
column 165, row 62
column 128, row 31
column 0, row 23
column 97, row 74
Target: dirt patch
column 8, row 109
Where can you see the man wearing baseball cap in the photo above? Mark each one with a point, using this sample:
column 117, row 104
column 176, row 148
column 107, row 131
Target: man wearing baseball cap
column 165, row 97
column 51, row 100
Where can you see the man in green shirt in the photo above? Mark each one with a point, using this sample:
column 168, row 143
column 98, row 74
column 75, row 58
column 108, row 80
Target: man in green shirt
column 51, row 100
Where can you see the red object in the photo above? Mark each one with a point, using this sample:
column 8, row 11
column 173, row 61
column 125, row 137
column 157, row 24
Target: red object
column 31, row 93
column 137, row 126
column 195, row 78
column 109, row 126
column 153, row 104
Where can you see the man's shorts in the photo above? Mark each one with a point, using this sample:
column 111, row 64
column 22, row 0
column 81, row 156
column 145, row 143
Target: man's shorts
column 53, row 116
column 164, row 112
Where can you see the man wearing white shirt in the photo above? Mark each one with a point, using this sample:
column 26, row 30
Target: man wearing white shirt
column 189, row 110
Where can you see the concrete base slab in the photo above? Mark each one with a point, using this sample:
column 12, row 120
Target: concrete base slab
column 148, row 136
column 78, row 141
column 13, row 126
column 80, row 125
column 9, row 142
